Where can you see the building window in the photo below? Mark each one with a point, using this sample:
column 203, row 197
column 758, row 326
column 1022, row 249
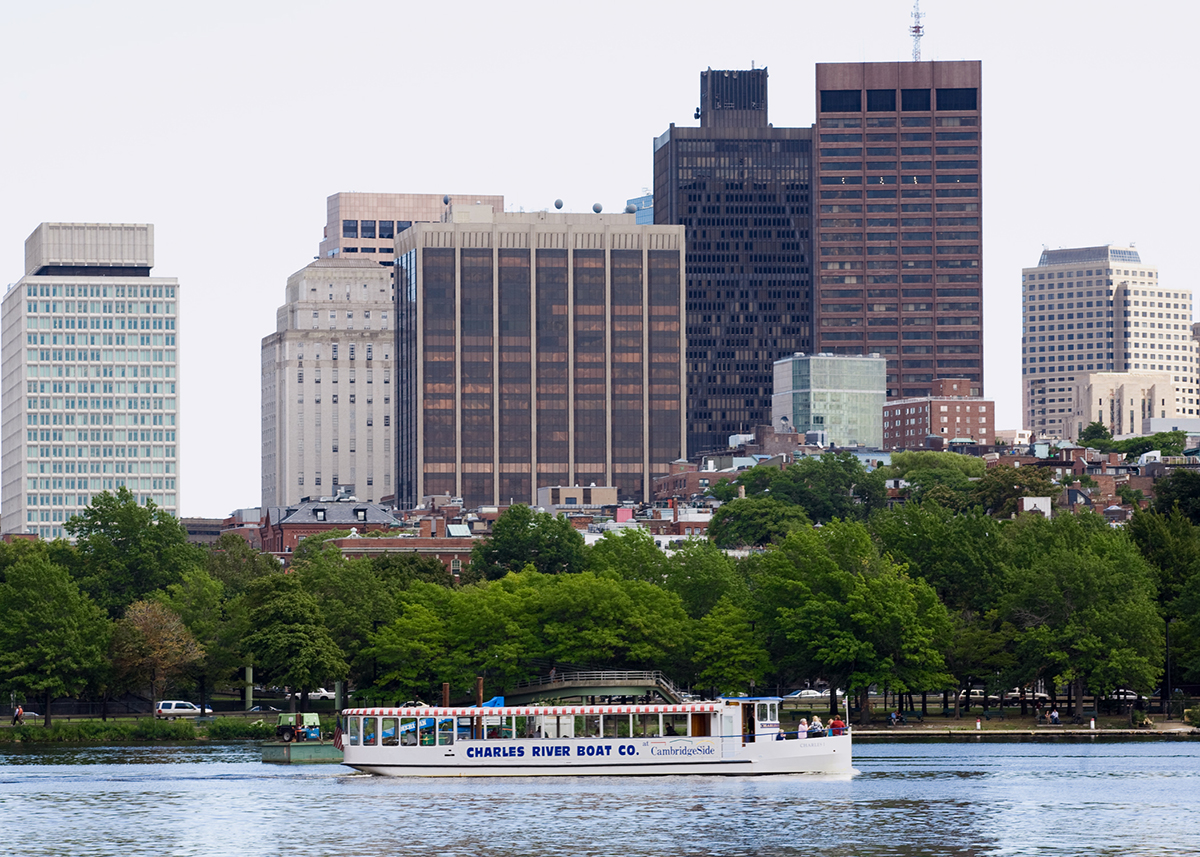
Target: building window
column 387, row 420
column 366, row 229
column 387, row 229
column 349, row 228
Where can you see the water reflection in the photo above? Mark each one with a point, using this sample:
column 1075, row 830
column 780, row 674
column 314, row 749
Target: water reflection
column 906, row 799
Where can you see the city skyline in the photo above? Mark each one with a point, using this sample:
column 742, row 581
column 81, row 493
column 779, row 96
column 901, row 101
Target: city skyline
column 222, row 159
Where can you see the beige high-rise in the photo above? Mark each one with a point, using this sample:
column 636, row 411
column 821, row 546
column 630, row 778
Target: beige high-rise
column 90, row 387
column 1104, row 340
column 327, row 385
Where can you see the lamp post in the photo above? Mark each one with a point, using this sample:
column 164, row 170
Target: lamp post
column 1167, row 689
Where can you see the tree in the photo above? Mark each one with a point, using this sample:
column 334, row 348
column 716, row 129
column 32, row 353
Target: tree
column 127, row 551
column 290, row 645
column 151, row 644
column 629, row 553
column 236, row 565
column 1082, row 602
column 1131, row 496
column 1181, row 488
column 522, row 536
column 1002, row 487
column 907, row 461
column 53, row 639
column 701, row 574
column 216, row 621
column 852, row 616
column 753, row 521
column 730, row 656
column 1095, row 431
column 949, row 488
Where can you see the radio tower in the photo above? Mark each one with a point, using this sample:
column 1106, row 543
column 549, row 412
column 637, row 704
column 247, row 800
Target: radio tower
column 917, row 30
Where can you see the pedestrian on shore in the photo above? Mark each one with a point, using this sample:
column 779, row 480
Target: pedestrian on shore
column 18, row 716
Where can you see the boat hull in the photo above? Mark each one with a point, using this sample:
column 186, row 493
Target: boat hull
column 607, row 758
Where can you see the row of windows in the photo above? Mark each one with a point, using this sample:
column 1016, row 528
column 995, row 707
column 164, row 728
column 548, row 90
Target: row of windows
column 1100, row 272
column 99, row 307
column 373, row 228
column 911, row 100
column 72, row 323
column 104, row 452
column 52, row 291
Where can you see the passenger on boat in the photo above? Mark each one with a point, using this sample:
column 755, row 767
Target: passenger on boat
column 816, row 727
column 802, row 728
column 837, row 726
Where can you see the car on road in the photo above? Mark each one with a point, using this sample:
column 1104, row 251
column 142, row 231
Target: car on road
column 1014, row 696
column 264, row 708
column 810, row 693
column 319, row 693
column 1126, row 694
column 169, row 709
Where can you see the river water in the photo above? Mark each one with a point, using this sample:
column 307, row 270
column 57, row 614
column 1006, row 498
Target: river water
column 1094, row 797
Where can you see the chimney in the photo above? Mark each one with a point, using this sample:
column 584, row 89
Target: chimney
column 425, row 527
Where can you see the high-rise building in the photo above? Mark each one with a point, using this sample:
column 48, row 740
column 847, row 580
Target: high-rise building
column 643, row 208
column 90, row 384
column 367, row 224
column 1101, row 311
column 899, row 219
column 838, row 394
column 740, row 187
column 540, row 349
column 327, row 385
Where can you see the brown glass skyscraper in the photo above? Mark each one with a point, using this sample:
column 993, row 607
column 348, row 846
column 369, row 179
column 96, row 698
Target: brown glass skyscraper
column 537, row 350
column 899, row 219
column 741, row 189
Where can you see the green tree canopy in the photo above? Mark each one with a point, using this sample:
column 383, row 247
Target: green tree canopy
column 151, row 646
column 53, row 639
column 1083, row 604
column 1095, row 432
column 753, row 521
column 629, row 553
column 906, row 461
column 729, row 655
column 1002, row 487
column 1179, row 489
column 126, row 551
column 290, row 644
column 521, row 536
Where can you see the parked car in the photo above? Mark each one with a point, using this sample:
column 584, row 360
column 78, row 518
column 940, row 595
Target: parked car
column 1126, row 694
column 1014, row 696
column 319, row 693
column 264, row 708
column 810, row 693
column 169, row 709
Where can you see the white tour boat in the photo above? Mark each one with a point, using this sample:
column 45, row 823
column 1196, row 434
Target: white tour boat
column 727, row 736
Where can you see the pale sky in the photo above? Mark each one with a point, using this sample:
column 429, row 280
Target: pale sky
column 226, row 125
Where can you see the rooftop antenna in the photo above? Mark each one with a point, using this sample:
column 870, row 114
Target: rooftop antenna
column 917, row 30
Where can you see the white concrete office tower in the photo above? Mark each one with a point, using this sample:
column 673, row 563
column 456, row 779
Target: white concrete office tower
column 327, row 385
column 1099, row 311
column 90, row 383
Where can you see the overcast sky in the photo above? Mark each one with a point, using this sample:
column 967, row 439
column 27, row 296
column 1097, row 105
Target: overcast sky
column 226, row 125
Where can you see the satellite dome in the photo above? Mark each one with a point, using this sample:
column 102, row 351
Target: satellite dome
column 597, row 208
column 446, row 199
column 631, row 209
column 558, row 203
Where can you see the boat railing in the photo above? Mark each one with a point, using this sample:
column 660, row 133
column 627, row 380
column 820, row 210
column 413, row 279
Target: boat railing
column 585, row 677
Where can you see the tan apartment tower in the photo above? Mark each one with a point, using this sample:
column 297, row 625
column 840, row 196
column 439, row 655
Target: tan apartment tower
column 534, row 350
column 1099, row 319
column 898, row 219
column 89, row 362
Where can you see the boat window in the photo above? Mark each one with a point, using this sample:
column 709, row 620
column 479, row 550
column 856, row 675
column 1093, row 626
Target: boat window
column 591, row 726
column 526, row 727
column 615, row 724
column 645, row 725
column 353, row 731
column 675, row 724
column 446, row 731
column 426, row 727
column 773, row 712
column 408, row 731
column 761, row 713
column 368, row 733
column 388, row 732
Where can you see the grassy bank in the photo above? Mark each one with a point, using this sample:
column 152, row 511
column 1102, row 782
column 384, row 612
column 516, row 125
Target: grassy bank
column 138, row 731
